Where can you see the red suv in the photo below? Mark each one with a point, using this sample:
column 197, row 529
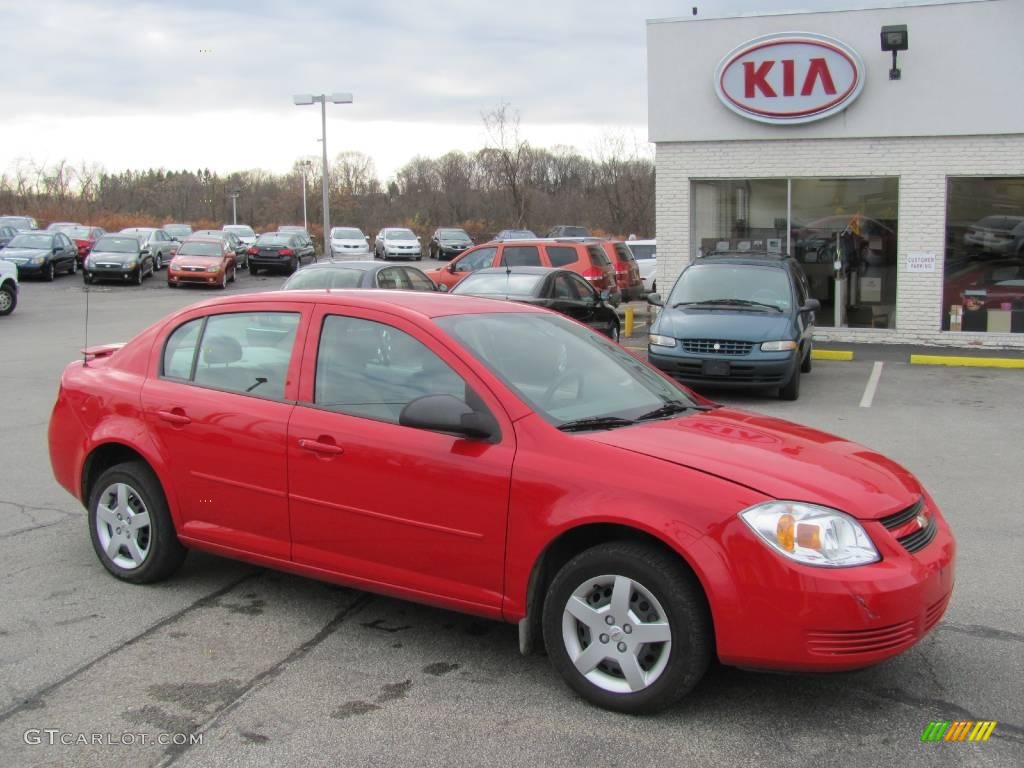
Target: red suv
column 443, row 449
column 587, row 259
column 627, row 273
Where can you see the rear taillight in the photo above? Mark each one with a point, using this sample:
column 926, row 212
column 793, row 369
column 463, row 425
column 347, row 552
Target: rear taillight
column 254, row 251
column 287, row 252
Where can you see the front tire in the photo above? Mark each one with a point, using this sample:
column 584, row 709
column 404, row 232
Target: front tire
column 159, row 264
column 628, row 627
column 805, row 365
column 791, row 389
column 74, row 267
column 130, row 525
column 8, row 300
column 49, row 272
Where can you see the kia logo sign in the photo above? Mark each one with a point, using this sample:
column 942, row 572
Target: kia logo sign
column 794, row 77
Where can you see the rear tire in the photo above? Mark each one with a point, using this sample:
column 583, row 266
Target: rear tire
column 8, row 300
column 659, row 597
column 139, row 275
column 74, row 267
column 150, row 551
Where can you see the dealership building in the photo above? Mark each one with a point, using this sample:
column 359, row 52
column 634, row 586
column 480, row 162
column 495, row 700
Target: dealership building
column 881, row 143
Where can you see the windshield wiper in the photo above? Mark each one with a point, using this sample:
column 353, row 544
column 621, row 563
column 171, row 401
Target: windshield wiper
column 670, row 409
column 595, row 422
column 726, row 302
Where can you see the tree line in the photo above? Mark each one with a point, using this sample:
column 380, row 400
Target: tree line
column 506, row 184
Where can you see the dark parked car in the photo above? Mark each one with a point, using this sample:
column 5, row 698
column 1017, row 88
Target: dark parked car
column 304, row 236
column 359, row 274
column 7, row 234
column 565, row 230
column 240, row 249
column 448, row 242
column 561, row 290
column 741, row 319
column 178, row 231
column 243, row 232
column 42, row 254
column 121, row 257
column 279, row 251
column 157, row 242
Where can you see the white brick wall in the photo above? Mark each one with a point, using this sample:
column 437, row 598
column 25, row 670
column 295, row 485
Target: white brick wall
column 922, row 165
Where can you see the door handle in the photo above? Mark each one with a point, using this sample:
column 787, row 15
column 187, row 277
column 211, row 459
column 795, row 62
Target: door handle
column 176, row 417
column 317, row 447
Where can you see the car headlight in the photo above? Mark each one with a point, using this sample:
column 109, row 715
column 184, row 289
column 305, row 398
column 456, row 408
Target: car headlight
column 660, row 341
column 130, row 264
column 214, row 268
column 811, row 534
column 38, row 259
column 778, row 346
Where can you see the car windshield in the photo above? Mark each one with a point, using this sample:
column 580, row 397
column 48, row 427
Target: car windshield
column 79, row 233
column 274, row 239
column 199, row 248
column 346, row 233
column 32, row 241
column 499, row 284
column 643, row 251
column 116, row 245
column 307, row 279
column 178, row 229
column 399, row 234
column 240, row 230
column 563, row 370
column 725, row 283
column 453, row 234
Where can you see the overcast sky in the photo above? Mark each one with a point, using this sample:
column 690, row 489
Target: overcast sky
column 131, row 84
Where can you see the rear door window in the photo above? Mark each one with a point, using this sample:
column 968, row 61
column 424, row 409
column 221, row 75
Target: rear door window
column 562, row 255
column 520, row 256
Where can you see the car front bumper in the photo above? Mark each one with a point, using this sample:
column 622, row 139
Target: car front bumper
column 181, row 277
column 119, row 274
column 760, row 369
column 787, row 616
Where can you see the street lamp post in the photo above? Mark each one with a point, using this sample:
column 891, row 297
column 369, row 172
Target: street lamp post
column 305, row 165
column 304, row 100
column 234, row 207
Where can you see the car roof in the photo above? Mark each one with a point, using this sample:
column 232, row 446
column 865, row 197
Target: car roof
column 517, row 271
column 755, row 258
column 364, row 265
column 204, row 239
column 412, row 304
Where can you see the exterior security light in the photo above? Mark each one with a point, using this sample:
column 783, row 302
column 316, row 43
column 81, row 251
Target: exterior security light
column 340, row 98
column 894, row 38
column 303, row 99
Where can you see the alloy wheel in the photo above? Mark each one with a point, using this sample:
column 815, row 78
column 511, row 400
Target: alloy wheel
column 123, row 526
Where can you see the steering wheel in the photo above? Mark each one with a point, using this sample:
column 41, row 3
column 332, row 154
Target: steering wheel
column 565, row 378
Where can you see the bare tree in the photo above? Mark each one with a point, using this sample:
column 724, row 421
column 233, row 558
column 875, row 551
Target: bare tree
column 509, row 156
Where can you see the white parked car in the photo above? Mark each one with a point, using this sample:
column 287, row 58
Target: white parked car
column 645, row 253
column 349, row 241
column 243, row 232
column 397, row 243
column 8, row 287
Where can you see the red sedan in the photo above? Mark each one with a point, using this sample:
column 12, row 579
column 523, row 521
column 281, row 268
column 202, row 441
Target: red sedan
column 319, row 432
column 85, row 238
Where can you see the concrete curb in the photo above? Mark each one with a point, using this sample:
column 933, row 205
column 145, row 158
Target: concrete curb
column 832, row 354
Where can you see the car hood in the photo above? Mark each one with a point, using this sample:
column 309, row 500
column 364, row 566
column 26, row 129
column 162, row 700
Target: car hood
column 196, row 261
column 112, row 256
column 23, row 253
column 778, row 458
column 731, row 324
column 396, row 243
column 349, row 241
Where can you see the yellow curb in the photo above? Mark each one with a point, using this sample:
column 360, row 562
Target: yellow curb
column 831, row 354
column 972, row 362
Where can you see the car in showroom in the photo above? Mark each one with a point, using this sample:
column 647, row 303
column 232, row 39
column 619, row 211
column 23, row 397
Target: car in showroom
column 740, row 319
column 996, row 236
column 448, row 242
column 588, row 259
column 397, row 243
column 359, row 274
column 349, row 241
column 560, row 290
column 279, row 252
column 8, row 287
column 458, row 447
column 645, row 252
column 208, row 261
column 156, row 242
column 42, row 254
column 122, row 258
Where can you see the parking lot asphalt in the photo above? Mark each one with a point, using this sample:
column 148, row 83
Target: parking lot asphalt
column 280, row 670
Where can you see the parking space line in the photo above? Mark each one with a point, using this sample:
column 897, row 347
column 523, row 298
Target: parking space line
column 869, row 390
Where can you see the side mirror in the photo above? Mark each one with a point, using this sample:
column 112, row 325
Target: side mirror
column 442, row 288
column 446, row 413
column 56, row 249
column 655, row 300
column 811, row 305
column 451, row 268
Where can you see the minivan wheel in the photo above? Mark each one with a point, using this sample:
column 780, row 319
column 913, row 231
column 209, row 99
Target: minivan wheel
column 791, row 389
column 130, row 525
column 627, row 627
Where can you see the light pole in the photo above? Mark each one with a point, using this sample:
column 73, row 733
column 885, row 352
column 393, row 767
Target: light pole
column 304, row 100
column 304, row 167
column 234, row 207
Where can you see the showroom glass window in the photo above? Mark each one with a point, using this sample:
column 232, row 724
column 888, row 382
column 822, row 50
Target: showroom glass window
column 983, row 288
column 813, row 219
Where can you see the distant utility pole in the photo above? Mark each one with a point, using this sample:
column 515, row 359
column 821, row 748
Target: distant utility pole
column 234, row 207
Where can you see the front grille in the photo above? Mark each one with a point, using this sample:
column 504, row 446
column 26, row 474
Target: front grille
column 716, row 347
column 193, row 269
column 855, row 641
column 903, row 517
column 919, row 539
column 738, row 372
column 934, row 613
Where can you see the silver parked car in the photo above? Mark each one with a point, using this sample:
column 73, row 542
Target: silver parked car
column 156, row 242
column 397, row 243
